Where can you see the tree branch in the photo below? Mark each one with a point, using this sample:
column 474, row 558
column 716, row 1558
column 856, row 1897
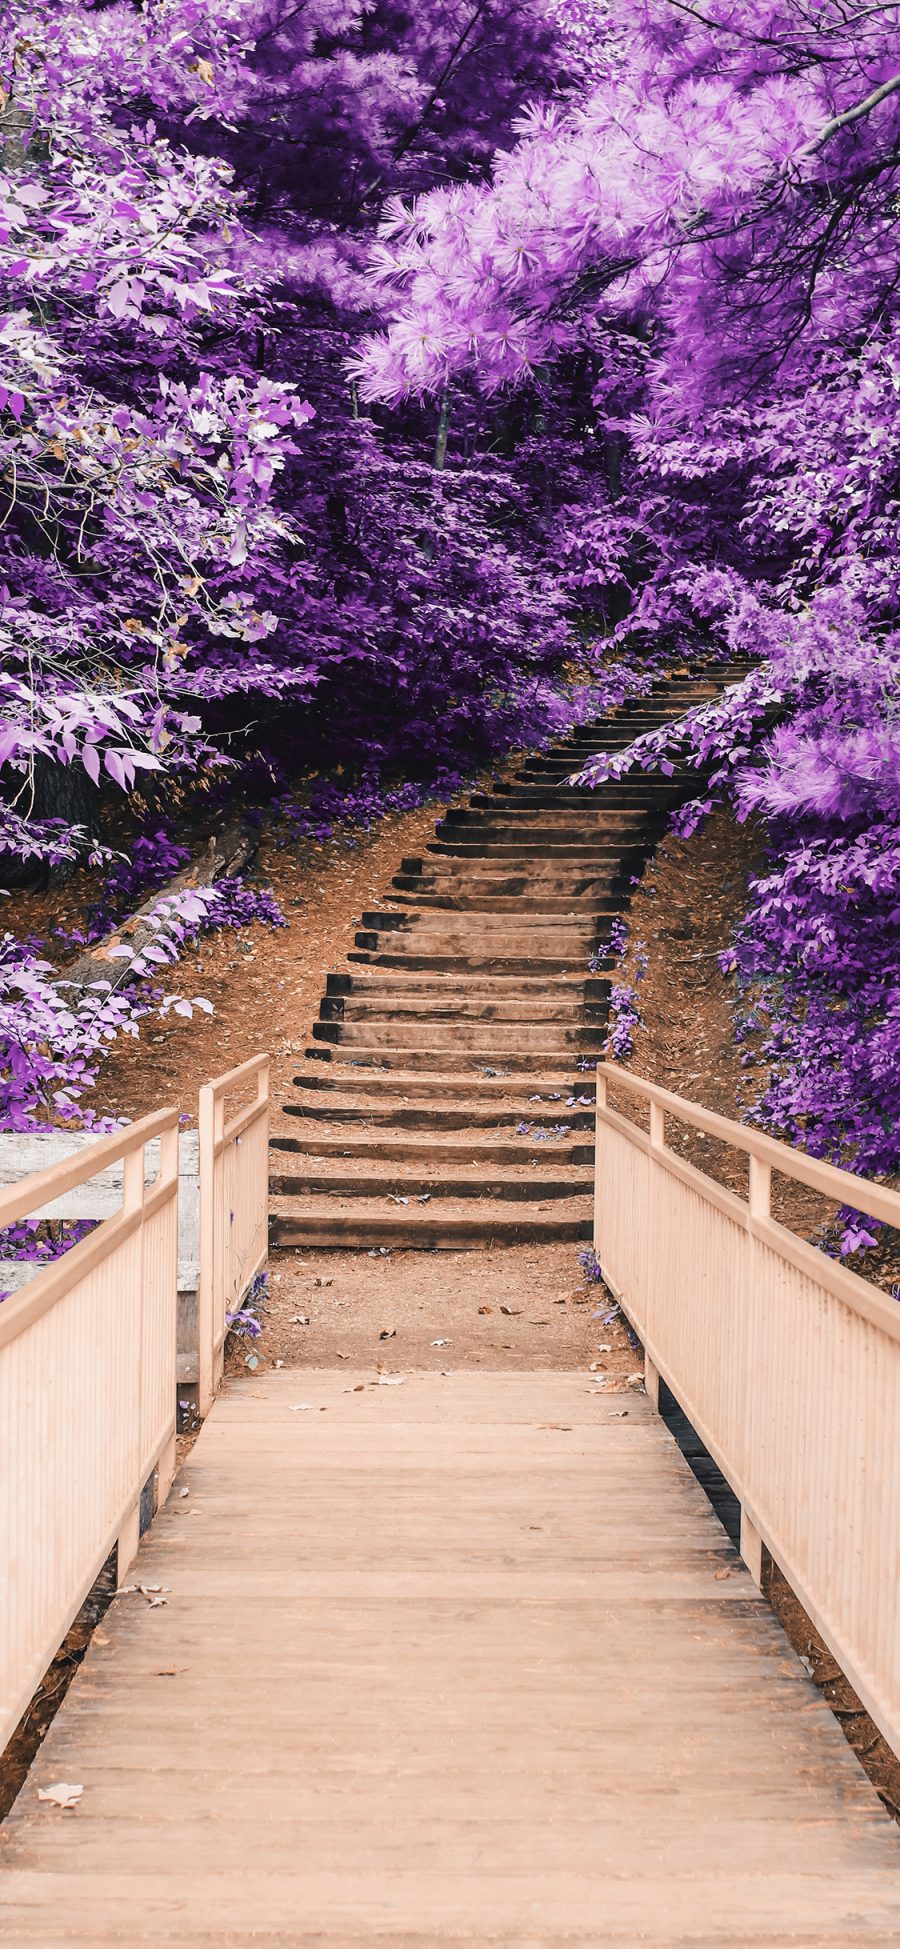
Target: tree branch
column 851, row 115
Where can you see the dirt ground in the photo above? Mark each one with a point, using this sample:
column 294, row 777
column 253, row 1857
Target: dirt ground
column 514, row 1307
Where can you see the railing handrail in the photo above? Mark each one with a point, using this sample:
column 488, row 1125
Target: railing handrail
column 217, row 1138
column 21, row 1309
column 88, row 1361
column 833, row 1180
column 784, row 1361
column 753, row 1214
column 232, row 1078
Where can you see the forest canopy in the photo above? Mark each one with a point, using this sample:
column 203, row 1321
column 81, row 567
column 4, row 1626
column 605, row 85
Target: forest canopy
column 385, row 385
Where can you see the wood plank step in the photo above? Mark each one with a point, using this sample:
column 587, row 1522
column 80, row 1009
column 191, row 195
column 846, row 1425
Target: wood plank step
column 499, row 1062
column 425, row 1231
column 542, row 1088
column 452, row 1006
column 429, row 1153
column 459, row 1033
column 526, row 1188
column 496, row 965
column 388, row 1114
column 393, row 981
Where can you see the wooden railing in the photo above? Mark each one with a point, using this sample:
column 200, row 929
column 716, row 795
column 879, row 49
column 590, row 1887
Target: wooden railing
column 87, row 1397
column 786, row 1363
column 233, row 1207
column 23, row 1153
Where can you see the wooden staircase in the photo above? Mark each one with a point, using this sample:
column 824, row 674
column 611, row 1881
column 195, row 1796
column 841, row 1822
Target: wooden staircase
column 447, row 1100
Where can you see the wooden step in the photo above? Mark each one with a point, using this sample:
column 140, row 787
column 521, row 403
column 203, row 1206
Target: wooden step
column 452, row 1007
column 423, row 1230
column 431, row 1154
column 495, row 1062
column 520, row 1185
column 459, row 1033
column 446, row 1101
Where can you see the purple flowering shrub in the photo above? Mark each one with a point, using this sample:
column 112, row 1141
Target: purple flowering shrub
column 625, row 1016
column 53, row 1035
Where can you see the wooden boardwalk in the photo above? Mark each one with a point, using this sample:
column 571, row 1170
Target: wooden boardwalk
column 453, row 1661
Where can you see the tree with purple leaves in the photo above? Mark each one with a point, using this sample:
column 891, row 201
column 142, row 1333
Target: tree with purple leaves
column 204, row 572
column 712, row 227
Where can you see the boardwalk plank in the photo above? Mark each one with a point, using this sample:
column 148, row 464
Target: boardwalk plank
column 446, row 1673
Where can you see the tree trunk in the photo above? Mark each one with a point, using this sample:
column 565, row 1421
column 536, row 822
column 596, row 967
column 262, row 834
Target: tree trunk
column 60, row 792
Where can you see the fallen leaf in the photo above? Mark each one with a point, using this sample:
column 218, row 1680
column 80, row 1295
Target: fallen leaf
column 388, row 1333
column 170, row 1671
column 389, row 1380
column 618, row 1414
column 62, row 1794
column 397, row 1201
column 183, row 1493
column 442, row 1343
column 301, row 1407
column 342, row 1356
column 150, row 1590
column 485, row 1309
column 720, row 1575
column 323, row 1282
column 100, row 1638
column 156, row 1603
column 299, row 1319
column 512, row 1312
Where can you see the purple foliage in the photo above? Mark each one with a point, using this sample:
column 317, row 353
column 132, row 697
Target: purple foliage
column 382, row 388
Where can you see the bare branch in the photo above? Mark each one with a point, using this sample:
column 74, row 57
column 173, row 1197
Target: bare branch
column 851, row 115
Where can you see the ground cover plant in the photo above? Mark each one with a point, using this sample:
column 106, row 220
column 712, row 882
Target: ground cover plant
column 384, row 386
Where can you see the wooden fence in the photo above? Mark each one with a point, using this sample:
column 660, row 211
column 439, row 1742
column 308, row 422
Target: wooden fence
column 234, row 1209
column 87, row 1399
column 786, row 1363
column 90, row 1365
column 23, row 1153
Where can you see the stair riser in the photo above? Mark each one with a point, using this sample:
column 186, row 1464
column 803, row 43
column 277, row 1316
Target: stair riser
column 503, row 1190
column 439, row 1035
column 550, row 938
column 410, row 928
column 438, row 1235
column 544, row 822
column 476, row 988
column 433, row 1157
column 537, row 1097
column 510, row 1063
column 385, row 1010
column 427, row 1117
column 499, row 965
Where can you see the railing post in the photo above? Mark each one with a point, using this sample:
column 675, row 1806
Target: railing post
column 600, row 1092
column 751, row 1546
column 657, row 1126
column 206, row 1124
column 128, row 1541
column 760, row 1190
column 651, row 1381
